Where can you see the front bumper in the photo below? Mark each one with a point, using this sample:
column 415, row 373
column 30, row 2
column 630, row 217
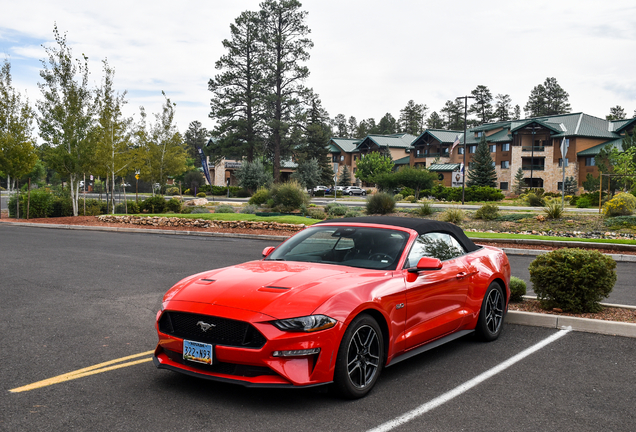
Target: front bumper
column 255, row 367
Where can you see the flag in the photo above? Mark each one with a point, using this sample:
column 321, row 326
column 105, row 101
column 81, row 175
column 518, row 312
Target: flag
column 461, row 168
column 454, row 145
column 204, row 165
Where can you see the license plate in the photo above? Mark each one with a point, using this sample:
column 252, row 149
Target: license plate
column 197, row 352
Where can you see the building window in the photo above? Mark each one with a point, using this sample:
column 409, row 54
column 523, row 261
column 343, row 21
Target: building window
column 503, row 185
column 590, row 161
column 505, row 147
column 505, row 164
column 472, row 148
column 560, row 186
column 493, row 148
column 561, row 162
column 334, row 158
column 341, row 158
column 460, row 150
column 479, row 134
column 354, row 170
column 355, row 158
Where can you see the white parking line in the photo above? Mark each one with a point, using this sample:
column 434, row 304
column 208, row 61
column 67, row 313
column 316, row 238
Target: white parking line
column 440, row 400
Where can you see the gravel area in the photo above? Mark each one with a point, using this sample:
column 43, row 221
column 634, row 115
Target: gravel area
column 607, row 314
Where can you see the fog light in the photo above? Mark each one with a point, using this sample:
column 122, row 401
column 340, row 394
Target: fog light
column 296, row 353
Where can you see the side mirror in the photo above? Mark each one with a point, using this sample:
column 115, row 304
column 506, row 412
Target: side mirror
column 426, row 263
column 268, row 250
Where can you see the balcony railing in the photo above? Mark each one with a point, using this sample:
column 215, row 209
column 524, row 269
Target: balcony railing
column 533, row 167
column 529, row 148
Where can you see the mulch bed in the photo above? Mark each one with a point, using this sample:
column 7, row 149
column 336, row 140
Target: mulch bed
column 607, row 314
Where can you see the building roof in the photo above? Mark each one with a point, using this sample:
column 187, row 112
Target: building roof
column 346, row 144
column 593, row 151
column 444, row 167
column 288, row 163
column 501, row 136
column 401, row 140
column 403, row 161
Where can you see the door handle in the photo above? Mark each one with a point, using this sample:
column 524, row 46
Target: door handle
column 460, row 275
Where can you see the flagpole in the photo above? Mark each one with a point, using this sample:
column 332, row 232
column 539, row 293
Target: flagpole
column 465, row 127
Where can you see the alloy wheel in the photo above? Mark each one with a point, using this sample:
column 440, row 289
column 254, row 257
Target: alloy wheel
column 363, row 356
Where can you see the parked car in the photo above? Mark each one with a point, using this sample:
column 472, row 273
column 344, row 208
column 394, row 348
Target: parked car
column 335, row 303
column 321, row 188
column 354, row 190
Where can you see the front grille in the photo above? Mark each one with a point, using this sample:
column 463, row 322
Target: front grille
column 222, row 368
column 223, row 331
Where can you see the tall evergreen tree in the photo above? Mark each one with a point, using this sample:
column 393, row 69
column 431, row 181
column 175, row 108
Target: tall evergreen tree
column 316, row 137
column 286, row 46
column 411, row 119
column 516, row 115
column 616, row 113
column 519, row 182
column 503, row 107
column 387, row 125
column 547, row 99
column 366, row 127
column 353, row 128
column 340, row 126
column 195, row 136
column 482, row 171
column 344, row 178
column 453, row 112
column 482, row 107
column 66, row 114
column 434, row 121
column 237, row 103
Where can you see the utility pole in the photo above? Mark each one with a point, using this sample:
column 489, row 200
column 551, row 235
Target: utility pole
column 465, row 128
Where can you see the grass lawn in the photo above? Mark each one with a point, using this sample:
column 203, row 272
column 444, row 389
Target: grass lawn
column 239, row 217
column 539, row 237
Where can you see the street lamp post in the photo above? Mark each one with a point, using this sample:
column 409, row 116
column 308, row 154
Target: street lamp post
column 465, row 127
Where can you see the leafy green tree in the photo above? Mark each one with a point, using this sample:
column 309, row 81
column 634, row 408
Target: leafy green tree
column 159, row 147
column 519, row 183
column 253, row 175
column 434, row 121
column 308, row 173
column 111, row 133
column 547, row 99
column 195, row 136
column 17, row 147
column 482, row 172
column 415, row 178
column 193, row 180
column 239, row 93
column 411, row 119
column 622, row 163
column 591, row 183
column 503, row 107
column 344, row 178
column 67, row 111
column 387, row 125
column 482, row 107
column 373, row 164
column 453, row 112
column 616, row 113
column 285, row 46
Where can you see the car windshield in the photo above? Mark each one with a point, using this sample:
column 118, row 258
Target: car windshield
column 363, row 247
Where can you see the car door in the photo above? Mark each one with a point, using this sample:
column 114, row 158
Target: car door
column 435, row 299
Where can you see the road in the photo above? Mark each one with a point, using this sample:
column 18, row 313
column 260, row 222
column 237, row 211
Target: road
column 73, row 299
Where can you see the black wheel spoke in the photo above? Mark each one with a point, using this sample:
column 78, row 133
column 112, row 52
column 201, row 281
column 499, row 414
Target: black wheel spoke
column 363, row 359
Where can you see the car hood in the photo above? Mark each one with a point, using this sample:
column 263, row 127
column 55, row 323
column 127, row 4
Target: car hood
column 278, row 289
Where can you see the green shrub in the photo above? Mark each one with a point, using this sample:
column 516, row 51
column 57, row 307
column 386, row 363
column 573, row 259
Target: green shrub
column 62, row 206
column 398, row 197
column 155, row 204
column 260, row 196
column 471, row 193
column 224, row 208
column 410, row 198
column 534, row 200
column 621, row 221
column 583, row 202
column 337, row 211
column 187, row 192
column 352, row 213
column 553, row 208
column 249, row 209
column 512, row 217
column 380, row 203
column 93, row 207
column 487, row 212
column 172, row 191
column 201, row 195
column 315, row 213
column 406, row 191
column 197, row 210
column 453, row 215
column 574, row 280
column 40, row 206
column 517, row 289
column 173, row 205
column 623, row 204
column 319, row 194
column 425, row 209
column 289, row 196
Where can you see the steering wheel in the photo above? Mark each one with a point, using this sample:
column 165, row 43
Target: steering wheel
column 380, row 256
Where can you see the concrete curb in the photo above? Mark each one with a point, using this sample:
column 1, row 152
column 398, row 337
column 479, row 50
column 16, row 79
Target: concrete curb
column 535, row 252
column 587, row 325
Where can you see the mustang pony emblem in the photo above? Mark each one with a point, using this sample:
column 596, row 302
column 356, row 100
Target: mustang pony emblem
column 205, row 326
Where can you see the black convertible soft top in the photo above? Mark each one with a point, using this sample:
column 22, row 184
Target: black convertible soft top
column 422, row 226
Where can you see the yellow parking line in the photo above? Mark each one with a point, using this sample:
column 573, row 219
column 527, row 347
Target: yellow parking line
column 87, row 371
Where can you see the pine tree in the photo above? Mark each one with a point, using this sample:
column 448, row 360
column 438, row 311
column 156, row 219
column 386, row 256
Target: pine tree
column 503, row 107
column 519, row 182
column 387, row 125
column 195, row 136
column 547, row 99
column 616, row 113
column 482, row 107
column 411, row 119
column 344, row 178
column 434, row 121
column 482, row 172
column 453, row 112
column 340, row 126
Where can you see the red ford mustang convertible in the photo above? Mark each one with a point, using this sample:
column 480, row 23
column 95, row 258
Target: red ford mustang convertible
column 336, row 303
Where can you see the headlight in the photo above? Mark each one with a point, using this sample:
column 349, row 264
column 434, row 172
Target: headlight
column 307, row 324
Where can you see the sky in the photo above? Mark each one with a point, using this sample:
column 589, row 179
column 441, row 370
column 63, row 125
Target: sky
column 369, row 57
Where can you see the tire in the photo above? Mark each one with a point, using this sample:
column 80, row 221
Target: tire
column 360, row 358
column 364, row 193
column 491, row 315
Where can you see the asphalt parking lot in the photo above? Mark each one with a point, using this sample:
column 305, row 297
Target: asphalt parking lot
column 74, row 299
